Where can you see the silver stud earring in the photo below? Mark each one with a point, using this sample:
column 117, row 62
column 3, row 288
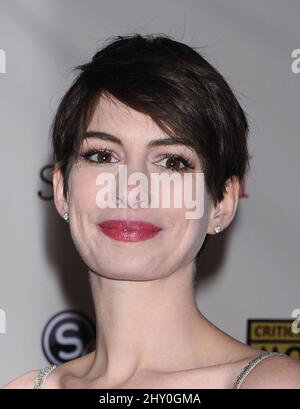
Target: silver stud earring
column 66, row 217
column 217, row 228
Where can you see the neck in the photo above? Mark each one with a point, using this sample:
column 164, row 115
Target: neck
column 152, row 325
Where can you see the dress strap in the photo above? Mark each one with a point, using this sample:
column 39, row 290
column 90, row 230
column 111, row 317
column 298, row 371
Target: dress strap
column 42, row 375
column 251, row 365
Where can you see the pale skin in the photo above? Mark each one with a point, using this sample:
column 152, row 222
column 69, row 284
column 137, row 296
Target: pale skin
column 150, row 330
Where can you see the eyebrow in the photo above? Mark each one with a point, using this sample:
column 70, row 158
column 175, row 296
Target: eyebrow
column 156, row 142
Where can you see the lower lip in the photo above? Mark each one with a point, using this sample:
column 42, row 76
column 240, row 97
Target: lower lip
column 121, row 232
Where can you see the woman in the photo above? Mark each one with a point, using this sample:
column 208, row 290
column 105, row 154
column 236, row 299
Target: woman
column 156, row 106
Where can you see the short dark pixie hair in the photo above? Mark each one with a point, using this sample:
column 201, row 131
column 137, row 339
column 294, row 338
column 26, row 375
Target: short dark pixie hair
column 173, row 84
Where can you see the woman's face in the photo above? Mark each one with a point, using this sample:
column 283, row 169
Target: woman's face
column 179, row 239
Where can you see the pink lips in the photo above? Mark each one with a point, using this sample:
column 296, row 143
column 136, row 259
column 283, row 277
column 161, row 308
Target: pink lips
column 129, row 230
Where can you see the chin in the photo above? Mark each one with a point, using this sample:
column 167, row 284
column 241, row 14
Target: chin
column 138, row 270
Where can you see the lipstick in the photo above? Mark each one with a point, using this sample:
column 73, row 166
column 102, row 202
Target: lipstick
column 129, row 230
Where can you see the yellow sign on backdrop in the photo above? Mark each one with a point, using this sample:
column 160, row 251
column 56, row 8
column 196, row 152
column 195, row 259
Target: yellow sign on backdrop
column 274, row 336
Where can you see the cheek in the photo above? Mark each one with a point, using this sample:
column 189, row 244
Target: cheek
column 189, row 232
column 194, row 236
column 188, row 202
column 82, row 208
column 188, row 193
column 82, row 190
column 183, row 229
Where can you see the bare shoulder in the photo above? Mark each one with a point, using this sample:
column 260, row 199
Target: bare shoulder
column 275, row 372
column 24, row 381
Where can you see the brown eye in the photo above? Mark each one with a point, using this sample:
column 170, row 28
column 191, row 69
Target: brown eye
column 176, row 162
column 103, row 157
column 99, row 156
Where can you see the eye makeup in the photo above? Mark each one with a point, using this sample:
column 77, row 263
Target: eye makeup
column 108, row 153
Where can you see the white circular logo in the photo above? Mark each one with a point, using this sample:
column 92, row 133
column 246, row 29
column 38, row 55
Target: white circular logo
column 66, row 336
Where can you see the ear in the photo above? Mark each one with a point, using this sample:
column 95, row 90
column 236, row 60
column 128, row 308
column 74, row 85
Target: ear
column 60, row 201
column 223, row 213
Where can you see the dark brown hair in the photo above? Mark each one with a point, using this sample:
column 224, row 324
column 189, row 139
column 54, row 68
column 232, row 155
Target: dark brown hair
column 173, row 84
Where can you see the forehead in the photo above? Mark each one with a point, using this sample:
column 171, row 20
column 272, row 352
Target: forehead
column 112, row 115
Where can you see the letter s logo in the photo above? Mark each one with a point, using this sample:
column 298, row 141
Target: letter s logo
column 62, row 338
column 67, row 336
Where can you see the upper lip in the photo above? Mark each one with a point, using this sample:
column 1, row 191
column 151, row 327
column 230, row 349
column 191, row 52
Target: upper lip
column 122, row 224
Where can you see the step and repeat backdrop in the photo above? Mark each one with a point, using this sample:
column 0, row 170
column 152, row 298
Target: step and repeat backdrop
column 249, row 278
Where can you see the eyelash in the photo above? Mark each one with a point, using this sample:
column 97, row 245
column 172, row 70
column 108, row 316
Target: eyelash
column 187, row 164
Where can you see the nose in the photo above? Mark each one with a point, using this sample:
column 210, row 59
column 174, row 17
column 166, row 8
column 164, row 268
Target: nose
column 133, row 185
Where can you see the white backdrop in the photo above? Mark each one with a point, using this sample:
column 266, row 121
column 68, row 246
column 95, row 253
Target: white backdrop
column 252, row 269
